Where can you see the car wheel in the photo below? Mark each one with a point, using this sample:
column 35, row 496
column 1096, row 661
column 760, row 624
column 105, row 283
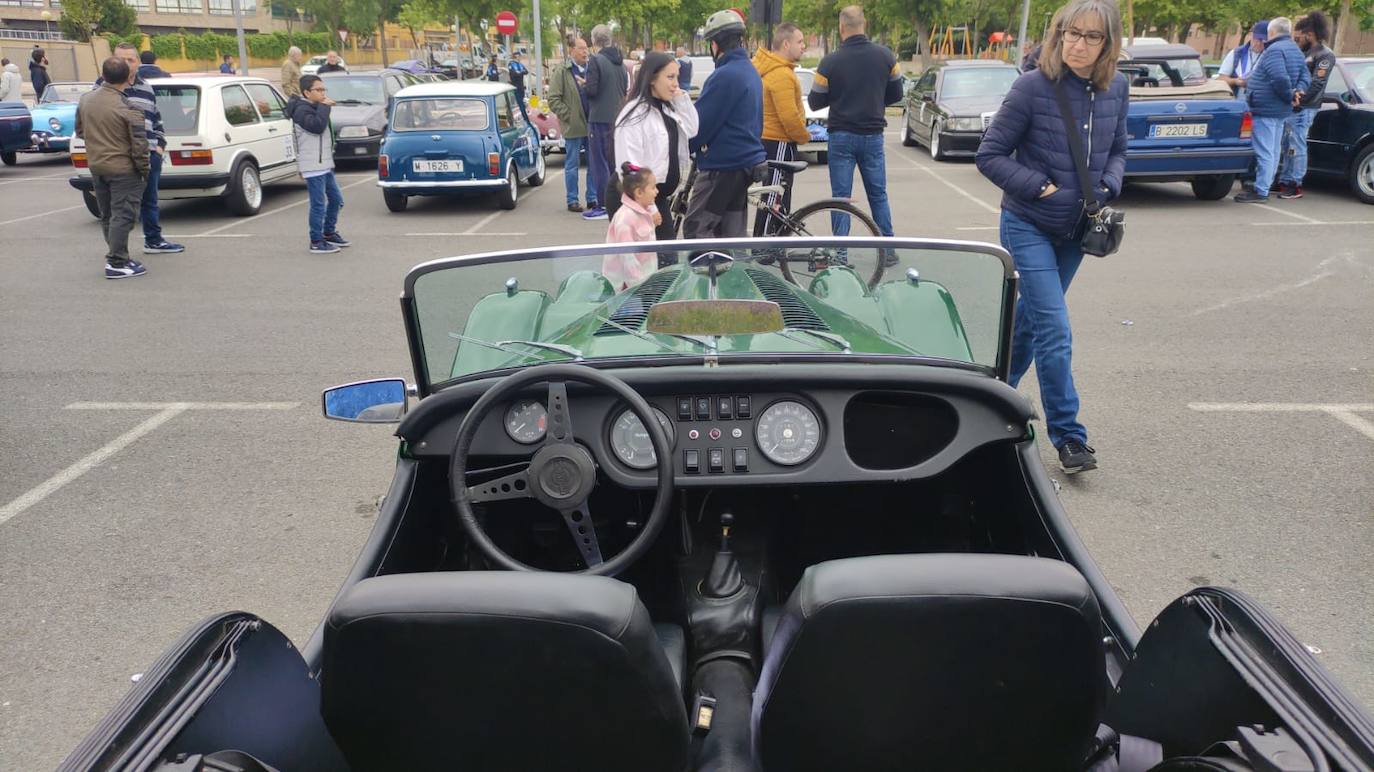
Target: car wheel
column 507, row 197
column 1212, row 187
column 245, row 190
column 10, row 159
column 935, row 151
column 540, row 172
column 92, row 205
column 395, row 200
column 907, row 139
column 1362, row 175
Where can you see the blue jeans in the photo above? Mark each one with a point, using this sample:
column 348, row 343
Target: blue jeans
column 147, row 209
column 846, row 151
column 325, row 202
column 1268, row 140
column 1041, row 329
column 573, row 147
column 1294, row 166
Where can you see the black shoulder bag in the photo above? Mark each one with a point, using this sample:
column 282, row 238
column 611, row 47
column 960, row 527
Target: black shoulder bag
column 1103, row 227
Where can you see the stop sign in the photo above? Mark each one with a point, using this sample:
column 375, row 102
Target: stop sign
column 505, row 23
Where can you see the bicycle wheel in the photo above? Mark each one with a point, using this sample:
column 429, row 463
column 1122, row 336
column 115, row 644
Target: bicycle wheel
column 830, row 218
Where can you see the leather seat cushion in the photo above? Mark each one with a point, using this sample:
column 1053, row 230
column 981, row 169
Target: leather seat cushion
column 500, row 671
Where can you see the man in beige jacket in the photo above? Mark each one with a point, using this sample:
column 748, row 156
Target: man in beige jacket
column 117, row 154
column 291, row 73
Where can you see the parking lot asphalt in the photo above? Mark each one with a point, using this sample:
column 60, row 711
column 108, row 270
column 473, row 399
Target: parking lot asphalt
column 164, row 458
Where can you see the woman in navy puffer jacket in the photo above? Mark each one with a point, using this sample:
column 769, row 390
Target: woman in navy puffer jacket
column 1025, row 152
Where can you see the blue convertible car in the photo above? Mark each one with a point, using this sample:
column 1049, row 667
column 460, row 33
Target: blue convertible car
column 458, row 137
column 54, row 117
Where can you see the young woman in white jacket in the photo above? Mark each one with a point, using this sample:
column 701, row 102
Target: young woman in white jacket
column 652, row 132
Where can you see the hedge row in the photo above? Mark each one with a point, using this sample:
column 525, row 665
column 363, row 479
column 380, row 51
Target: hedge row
column 210, row 46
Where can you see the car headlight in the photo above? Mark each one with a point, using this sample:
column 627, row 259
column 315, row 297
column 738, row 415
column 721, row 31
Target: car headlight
column 55, row 124
column 965, row 124
column 350, row 132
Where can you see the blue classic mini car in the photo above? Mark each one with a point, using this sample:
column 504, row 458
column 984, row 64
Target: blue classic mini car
column 449, row 138
column 54, row 117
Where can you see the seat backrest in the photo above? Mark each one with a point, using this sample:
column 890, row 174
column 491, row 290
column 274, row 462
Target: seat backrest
column 499, row 671
column 902, row 662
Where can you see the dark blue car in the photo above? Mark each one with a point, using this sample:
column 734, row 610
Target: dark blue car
column 445, row 139
column 16, row 128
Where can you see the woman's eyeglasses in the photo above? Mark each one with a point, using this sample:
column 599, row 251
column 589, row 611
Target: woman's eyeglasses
column 1093, row 38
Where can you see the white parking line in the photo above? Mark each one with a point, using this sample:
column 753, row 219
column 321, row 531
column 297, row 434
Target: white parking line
column 1343, row 412
column 980, row 202
column 208, row 235
column 1286, row 213
column 166, row 412
column 467, row 233
column 978, row 228
column 1324, row 271
column 1317, row 222
column 42, row 214
column 292, row 205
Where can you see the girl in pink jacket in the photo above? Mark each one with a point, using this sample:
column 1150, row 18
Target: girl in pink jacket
column 635, row 220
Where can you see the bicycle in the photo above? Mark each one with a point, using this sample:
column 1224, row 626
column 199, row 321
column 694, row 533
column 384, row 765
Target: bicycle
column 817, row 219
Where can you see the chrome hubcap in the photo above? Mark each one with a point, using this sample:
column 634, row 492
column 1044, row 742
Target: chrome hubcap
column 539, row 165
column 935, row 138
column 514, row 185
column 1365, row 176
column 252, row 191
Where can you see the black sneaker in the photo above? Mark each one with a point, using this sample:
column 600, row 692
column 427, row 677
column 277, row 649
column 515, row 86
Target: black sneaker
column 1075, row 457
column 125, row 269
column 1249, row 197
column 322, row 248
column 1291, row 190
column 337, row 239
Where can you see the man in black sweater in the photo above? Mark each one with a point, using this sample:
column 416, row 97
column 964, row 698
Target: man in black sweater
column 857, row 82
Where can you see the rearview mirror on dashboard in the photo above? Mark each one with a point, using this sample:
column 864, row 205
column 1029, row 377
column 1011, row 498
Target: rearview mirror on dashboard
column 715, row 317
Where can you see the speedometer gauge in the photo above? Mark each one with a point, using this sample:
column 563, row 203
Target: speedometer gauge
column 788, row 433
column 526, row 421
column 631, row 442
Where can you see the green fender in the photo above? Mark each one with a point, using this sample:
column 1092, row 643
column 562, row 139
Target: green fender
column 497, row 317
column 578, row 295
column 923, row 316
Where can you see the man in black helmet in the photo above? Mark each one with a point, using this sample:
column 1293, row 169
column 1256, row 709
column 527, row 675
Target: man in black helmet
column 729, row 144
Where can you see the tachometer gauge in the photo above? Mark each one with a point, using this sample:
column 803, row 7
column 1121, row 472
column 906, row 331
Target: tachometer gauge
column 631, row 442
column 788, row 433
column 526, row 421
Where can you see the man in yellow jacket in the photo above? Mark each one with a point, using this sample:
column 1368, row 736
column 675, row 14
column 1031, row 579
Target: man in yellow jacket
column 784, row 120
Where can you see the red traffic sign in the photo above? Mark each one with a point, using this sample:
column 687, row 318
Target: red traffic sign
column 506, row 23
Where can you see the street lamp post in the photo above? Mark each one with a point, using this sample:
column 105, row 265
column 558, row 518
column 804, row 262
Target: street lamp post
column 47, row 22
column 238, row 30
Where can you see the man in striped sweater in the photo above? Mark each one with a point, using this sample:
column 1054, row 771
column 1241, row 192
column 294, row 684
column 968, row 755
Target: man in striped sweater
column 141, row 97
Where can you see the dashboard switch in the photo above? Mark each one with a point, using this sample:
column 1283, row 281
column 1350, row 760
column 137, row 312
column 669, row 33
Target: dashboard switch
column 714, row 434
column 715, row 458
column 741, row 459
column 725, row 408
column 684, row 408
column 742, row 407
column 691, row 462
column 703, row 405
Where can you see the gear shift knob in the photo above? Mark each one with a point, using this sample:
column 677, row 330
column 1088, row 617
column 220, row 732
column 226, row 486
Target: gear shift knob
column 723, row 578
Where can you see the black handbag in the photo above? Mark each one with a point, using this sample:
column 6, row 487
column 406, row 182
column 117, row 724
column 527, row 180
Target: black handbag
column 1101, row 228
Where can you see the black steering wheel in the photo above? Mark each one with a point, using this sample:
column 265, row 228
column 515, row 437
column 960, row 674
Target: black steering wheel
column 561, row 474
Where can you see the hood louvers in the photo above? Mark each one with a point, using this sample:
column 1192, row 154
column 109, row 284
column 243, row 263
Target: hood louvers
column 635, row 310
column 796, row 315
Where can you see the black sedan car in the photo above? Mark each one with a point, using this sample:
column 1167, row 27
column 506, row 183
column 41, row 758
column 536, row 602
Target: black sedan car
column 361, row 102
column 952, row 103
column 1341, row 142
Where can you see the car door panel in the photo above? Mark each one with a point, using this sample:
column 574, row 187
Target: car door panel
column 278, row 154
column 244, row 131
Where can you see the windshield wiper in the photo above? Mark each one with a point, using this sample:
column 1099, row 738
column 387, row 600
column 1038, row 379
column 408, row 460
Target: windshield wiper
column 505, row 345
column 350, row 102
column 655, row 341
column 829, row 337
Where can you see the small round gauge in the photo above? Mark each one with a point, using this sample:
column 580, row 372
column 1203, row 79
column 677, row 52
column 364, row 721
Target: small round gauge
column 526, row 421
column 788, row 433
column 631, row 442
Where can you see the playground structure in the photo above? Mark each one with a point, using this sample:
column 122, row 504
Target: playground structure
column 957, row 41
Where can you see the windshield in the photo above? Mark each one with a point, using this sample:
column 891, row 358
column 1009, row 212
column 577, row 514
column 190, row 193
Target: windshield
column 806, row 78
column 933, row 301
column 440, row 115
column 65, row 92
column 1190, row 70
column 981, row 82
column 346, row 89
column 702, row 67
column 1362, row 78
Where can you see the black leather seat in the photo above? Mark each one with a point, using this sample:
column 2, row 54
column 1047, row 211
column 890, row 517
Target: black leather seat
column 932, row 662
column 501, row 671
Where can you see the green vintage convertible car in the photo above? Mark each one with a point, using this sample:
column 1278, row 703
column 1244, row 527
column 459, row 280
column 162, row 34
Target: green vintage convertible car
column 726, row 519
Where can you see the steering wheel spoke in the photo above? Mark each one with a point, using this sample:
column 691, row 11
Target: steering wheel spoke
column 579, row 522
column 560, row 419
column 512, row 486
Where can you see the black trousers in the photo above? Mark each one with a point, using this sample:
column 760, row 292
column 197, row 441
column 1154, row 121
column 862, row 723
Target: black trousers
column 764, row 223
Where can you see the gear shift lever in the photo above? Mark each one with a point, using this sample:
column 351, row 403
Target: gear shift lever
column 723, row 578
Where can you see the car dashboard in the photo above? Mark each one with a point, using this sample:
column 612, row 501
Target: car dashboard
column 736, row 426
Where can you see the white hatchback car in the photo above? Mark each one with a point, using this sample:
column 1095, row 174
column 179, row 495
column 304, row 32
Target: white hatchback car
column 226, row 137
column 312, row 65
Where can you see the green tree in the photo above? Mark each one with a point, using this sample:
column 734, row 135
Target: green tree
column 82, row 18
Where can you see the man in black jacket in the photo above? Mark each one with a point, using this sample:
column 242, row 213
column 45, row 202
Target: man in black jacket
column 607, row 83
column 857, row 82
column 1310, row 33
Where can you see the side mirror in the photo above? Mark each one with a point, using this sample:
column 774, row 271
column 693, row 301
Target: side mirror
column 370, row 402
column 1337, row 101
column 928, row 96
